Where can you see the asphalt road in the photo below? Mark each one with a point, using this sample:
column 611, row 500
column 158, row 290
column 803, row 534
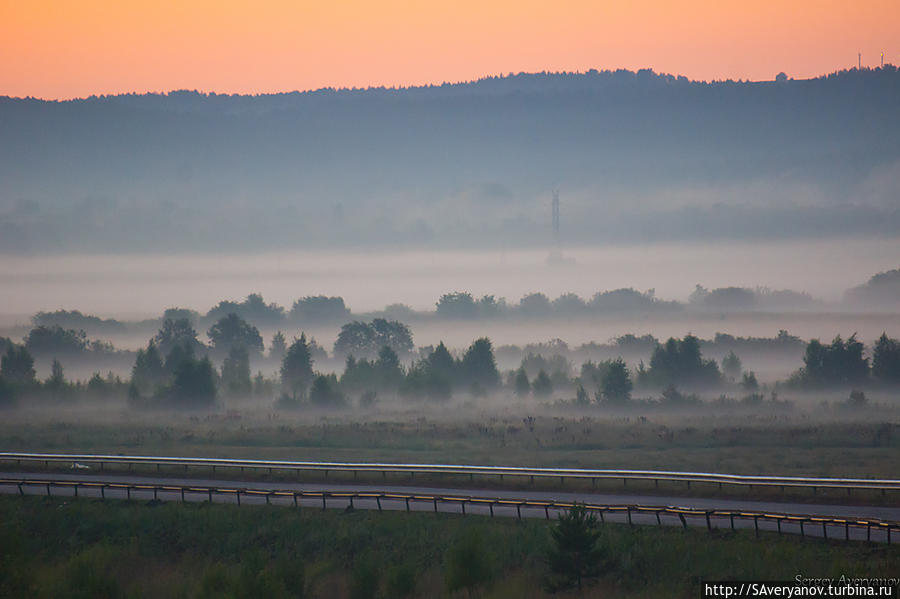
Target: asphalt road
column 834, row 531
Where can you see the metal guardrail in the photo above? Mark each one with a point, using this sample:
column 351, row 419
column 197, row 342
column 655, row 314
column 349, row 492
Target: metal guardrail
column 435, row 469
column 682, row 513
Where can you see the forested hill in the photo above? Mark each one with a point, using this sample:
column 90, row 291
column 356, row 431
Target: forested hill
column 637, row 157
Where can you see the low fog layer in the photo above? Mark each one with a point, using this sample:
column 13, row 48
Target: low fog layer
column 638, row 158
column 134, row 287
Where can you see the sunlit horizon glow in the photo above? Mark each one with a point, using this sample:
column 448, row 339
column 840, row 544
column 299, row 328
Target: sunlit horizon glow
column 61, row 49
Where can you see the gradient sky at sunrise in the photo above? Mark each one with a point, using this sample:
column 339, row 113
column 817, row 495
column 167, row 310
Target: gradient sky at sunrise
column 68, row 48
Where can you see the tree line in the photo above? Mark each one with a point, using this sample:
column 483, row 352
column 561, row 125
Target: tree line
column 177, row 369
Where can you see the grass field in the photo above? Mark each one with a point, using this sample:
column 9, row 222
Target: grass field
column 85, row 548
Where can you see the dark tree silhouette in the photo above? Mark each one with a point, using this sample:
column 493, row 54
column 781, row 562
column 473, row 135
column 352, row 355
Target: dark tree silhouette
column 458, row 304
column 615, row 383
column 194, row 383
column 175, row 332
column 233, row 331
column 521, row 384
column 542, row 386
column 478, row 366
column 319, row 308
column 886, row 360
column 296, row 368
column 575, row 553
column 236, row 372
column 17, row 365
column 55, row 341
column 325, row 392
column 362, row 339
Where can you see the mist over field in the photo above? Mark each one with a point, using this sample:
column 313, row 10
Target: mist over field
column 725, row 248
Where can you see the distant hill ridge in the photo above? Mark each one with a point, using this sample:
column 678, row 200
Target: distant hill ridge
column 592, row 81
column 639, row 157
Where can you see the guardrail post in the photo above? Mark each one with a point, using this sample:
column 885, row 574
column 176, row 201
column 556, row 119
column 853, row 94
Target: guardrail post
column 824, row 530
column 756, row 525
column 435, row 505
column 708, row 522
column 519, row 513
column 182, row 494
column 76, row 489
column 683, row 521
column 407, row 504
column 629, row 516
column 868, row 532
column 48, row 489
column 239, row 497
column 378, row 501
column 323, row 502
column 889, row 534
column 463, row 508
column 155, row 497
column 846, row 531
column 802, row 532
column 209, row 491
column 658, row 520
column 103, row 492
column 532, row 479
column 128, row 493
column 296, row 503
column 602, row 520
column 491, row 506
column 547, row 511
column 778, row 522
column 21, row 492
column 267, row 498
column 351, row 501
column 731, row 517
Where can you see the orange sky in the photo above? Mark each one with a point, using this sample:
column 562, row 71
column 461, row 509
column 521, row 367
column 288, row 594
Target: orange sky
column 69, row 48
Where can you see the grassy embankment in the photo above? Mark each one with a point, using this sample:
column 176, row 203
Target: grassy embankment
column 85, row 548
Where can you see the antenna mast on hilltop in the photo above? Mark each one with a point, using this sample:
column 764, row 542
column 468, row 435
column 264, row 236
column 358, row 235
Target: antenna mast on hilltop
column 859, row 61
column 556, row 218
